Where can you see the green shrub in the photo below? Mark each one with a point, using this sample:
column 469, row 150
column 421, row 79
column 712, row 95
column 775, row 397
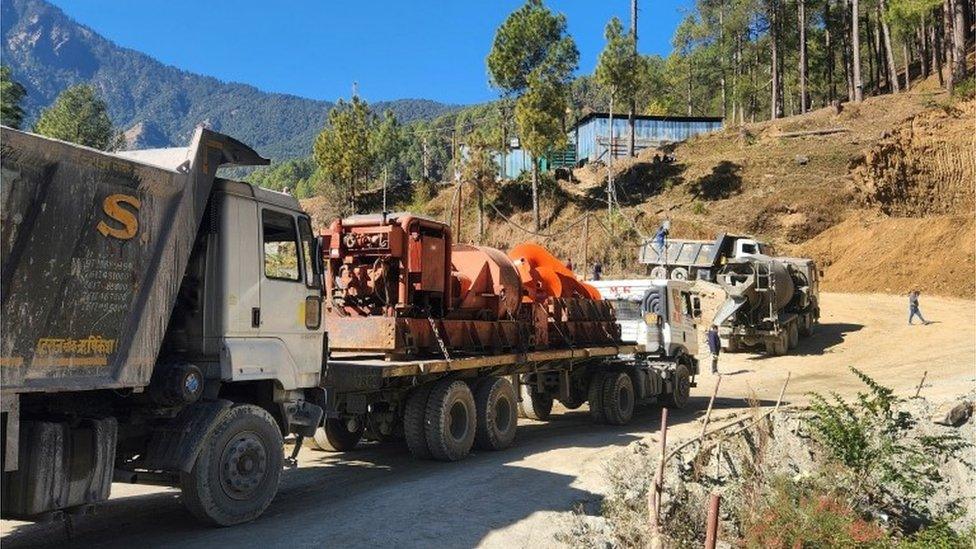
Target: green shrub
column 870, row 438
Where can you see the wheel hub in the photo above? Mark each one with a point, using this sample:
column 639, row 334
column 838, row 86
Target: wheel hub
column 243, row 465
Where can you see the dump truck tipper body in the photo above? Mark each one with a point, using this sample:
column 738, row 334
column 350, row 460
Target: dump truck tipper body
column 681, row 259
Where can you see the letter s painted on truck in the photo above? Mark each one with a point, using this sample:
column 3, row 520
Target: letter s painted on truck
column 112, row 206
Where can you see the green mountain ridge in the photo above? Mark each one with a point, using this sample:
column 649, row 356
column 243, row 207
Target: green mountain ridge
column 158, row 105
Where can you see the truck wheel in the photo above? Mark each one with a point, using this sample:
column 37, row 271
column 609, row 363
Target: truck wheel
column 572, row 403
column 414, row 432
column 618, row 398
column 806, row 325
column 450, row 420
column 776, row 346
column 679, row 273
column 236, row 473
column 595, row 397
column 495, row 401
column 792, row 336
column 335, row 436
column 732, row 346
column 537, row 406
column 680, row 389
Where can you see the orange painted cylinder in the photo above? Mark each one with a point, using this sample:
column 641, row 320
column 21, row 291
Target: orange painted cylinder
column 543, row 275
column 488, row 281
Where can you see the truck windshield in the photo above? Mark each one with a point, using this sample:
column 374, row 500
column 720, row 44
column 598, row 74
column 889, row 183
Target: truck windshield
column 625, row 309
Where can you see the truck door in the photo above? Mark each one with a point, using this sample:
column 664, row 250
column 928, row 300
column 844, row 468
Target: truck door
column 290, row 296
column 681, row 321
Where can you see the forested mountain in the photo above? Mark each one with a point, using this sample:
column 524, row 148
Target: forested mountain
column 156, row 104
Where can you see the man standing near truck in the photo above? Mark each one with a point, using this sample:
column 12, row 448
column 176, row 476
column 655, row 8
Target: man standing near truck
column 714, row 346
column 913, row 309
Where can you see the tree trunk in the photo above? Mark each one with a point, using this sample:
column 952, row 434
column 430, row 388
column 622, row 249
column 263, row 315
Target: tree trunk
column 775, row 102
column 856, row 52
column 689, row 87
column 908, row 76
column 481, row 215
column 829, row 49
column 935, row 37
column 889, row 53
column 958, row 41
column 873, row 76
column 923, row 47
column 801, row 8
column 846, row 50
column 947, row 40
column 535, row 192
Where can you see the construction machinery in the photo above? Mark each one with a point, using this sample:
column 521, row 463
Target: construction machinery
column 434, row 342
column 772, row 302
column 162, row 325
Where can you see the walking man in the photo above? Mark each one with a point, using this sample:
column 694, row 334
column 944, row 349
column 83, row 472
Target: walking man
column 913, row 309
column 714, row 346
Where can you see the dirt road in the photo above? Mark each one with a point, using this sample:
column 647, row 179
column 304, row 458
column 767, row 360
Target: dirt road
column 523, row 496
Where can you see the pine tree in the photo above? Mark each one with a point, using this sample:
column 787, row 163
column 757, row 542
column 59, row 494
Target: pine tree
column 11, row 94
column 80, row 116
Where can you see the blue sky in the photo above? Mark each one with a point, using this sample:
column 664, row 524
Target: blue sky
column 433, row 50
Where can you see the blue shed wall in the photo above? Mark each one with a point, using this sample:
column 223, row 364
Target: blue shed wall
column 593, row 137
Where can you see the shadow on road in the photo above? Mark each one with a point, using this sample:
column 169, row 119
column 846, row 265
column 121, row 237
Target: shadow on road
column 824, row 338
column 380, row 495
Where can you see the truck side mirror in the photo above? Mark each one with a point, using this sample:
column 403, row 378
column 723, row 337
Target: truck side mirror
column 318, row 264
column 696, row 307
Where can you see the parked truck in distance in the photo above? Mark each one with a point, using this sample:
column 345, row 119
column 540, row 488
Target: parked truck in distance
column 697, row 259
column 772, row 302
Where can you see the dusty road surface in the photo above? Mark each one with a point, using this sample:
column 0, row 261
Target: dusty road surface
column 523, row 496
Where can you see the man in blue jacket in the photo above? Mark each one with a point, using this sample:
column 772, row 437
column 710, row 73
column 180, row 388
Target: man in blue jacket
column 714, row 346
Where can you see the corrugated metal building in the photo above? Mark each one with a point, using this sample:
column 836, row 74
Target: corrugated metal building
column 592, row 132
column 589, row 139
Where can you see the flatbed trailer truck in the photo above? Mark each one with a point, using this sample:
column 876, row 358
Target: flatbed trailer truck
column 162, row 325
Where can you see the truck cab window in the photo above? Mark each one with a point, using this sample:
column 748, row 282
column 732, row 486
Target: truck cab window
column 305, row 229
column 280, row 246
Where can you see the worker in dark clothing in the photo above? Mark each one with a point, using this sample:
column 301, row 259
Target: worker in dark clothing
column 913, row 309
column 714, row 346
column 597, row 270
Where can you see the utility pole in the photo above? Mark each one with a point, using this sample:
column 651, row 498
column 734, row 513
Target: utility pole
column 610, row 169
column 633, row 100
column 385, row 178
column 586, row 245
column 426, row 159
column 460, row 191
column 856, row 52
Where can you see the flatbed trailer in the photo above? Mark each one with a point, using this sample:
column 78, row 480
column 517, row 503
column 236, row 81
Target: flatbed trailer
column 444, row 405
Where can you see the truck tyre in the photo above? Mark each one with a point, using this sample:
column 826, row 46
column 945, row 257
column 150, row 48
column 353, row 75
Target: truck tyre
column 792, row 335
column 732, row 346
column 236, row 473
column 573, row 402
column 414, row 432
column 495, row 402
column 806, row 325
column 679, row 273
column 537, row 406
column 776, row 346
column 335, row 436
column 618, row 398
column 450, row 420
column 595, row 397
column 680, row 388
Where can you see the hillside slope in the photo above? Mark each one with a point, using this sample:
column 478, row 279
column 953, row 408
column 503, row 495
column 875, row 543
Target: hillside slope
column 885, row 205
column 157, row 104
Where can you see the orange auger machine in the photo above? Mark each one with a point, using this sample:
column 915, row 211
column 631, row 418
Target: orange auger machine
column 396, row 285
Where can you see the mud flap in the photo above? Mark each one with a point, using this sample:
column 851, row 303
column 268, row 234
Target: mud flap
column 61, row 466
column 175, row 445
